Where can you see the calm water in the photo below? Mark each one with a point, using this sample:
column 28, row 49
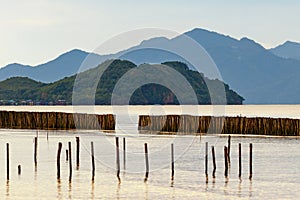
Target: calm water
column 276, row 161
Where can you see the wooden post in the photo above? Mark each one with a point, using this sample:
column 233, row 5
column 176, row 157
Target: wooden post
column 172, row 162
column 214, row 161
column 124, row 153
column 228, row 149
column 226, row 161
column 206, row 161
column 118, row 159
column 35, row 151
column 70, row 162
column 240, row 160
column 7, row 161
column 250, row 161
column 147, row 163
column 67, row 155
column 77, row 151
column 93, row 161
column 19, row 169
column 58, row 159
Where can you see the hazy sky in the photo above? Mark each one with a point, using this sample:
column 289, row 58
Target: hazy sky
column 35, row 31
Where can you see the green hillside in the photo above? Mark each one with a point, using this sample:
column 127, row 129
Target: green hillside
column 20, row 89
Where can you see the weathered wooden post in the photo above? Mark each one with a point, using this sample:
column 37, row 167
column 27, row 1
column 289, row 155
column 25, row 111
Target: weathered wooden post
column 7, row 161
column 35, row 151
column 250, row 161
column 146, row 162
column 58, row 159
column 172, row 162
column 206, row 161
column 70, row 162
column 214, row 161
column 93, row 161
column 228, row 149
column 226, row 161
column 240, row 160
column 77, row 152
column 118, row 159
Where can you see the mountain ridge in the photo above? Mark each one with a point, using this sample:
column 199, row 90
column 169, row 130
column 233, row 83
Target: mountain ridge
column 22, row 89
column 256, row 73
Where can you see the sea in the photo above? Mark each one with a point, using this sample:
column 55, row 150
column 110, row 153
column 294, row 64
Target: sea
column 276, row 160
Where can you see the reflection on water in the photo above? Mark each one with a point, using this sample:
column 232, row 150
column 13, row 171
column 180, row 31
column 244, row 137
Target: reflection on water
column 59, row 195
column 190, row 182
column 7, row 188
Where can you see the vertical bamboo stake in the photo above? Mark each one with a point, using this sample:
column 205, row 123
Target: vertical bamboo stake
column 226, row 161
column 58, row 159
column 19, row 169
column 118, row 159
column 228, row 149
column 172, row 162
column 67, row 155
column 214, row 161
column 77, row 152
column 70, row 162
column 240, row 160
column 146, row 162
column 7, row 161
column 124, row 153
column 35, row 151
column 93, row 161
column 206, row 161
column 250, row 162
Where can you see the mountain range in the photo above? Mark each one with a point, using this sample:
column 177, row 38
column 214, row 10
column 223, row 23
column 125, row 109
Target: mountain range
column 22, row 89
column 261, row 76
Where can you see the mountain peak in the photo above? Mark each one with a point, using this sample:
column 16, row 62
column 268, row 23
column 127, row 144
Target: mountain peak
column 288, row 49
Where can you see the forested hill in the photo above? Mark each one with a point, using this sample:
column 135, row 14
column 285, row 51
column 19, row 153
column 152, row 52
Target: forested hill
column 21, row 90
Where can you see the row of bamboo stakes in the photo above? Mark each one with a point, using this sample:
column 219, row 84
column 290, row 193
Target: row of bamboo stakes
column 147, row 168
column 169, row 123
column 56, row 121
column 182, row 124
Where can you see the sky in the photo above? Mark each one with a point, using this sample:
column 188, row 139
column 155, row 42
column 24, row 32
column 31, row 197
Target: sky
column 35, row 31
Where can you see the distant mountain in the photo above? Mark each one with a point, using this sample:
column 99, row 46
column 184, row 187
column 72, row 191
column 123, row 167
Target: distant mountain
column 65, row 65
column 21, row 89
column 287, row 50
column 256, row 73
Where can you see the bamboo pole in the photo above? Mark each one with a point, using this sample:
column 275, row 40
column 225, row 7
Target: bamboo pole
column 35, row 151
column 240, row 160
column 19, row 169
column 228, row 149
column 77, row 152
column 124, row 153
column 146, row 162
column 58, row 159
column 7, row 161
column 118, row 159
column 226, row 161
column 206, row 161
column 214, row 161
column 70, row 162
column 250, row 160
column 172, row 162
column 93, row 161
